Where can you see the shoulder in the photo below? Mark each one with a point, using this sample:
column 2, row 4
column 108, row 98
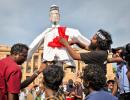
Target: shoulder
column 46, row 30
column 101, row 95
column 102, row 52
column 93, row 55
column 106, row 94
column 72, row 29
column 69, row 28
column 8, row 61
column 11, row 65
column 99, row 53
column 2, row 62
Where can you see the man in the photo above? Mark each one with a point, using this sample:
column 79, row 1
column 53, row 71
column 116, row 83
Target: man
column 100, row 44
column 70, row 89
column 10, row 72
column 94, row 81
column 124, row 85
column 122, row 54
column 53, row 50
column 110, row 85
column 78, row 91
column 128, row 72
column 52, row 79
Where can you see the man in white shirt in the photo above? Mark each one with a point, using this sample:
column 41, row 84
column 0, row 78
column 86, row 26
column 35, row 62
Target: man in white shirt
column 53, row 50
column 124, row 85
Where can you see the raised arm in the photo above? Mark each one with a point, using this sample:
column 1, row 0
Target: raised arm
column 72, row 53
column 37, row 42
column 115, row 60
column 28, row 81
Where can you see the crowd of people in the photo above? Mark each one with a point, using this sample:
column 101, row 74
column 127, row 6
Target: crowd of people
column 58, row 51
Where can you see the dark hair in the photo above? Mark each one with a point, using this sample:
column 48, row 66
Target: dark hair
column 94, row 74
column 17, row 48
column 70, row 81
column 104, row 44
column 124, row 53
column 53, row 76
column 110, row 81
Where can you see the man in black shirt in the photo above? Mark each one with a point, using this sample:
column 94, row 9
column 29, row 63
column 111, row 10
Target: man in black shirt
column 99, row 46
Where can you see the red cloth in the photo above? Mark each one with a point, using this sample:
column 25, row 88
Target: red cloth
column 70, row 98
column 55, row 41
column 10, row 77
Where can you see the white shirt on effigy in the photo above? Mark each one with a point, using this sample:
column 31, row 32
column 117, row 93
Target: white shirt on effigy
column 50, row 53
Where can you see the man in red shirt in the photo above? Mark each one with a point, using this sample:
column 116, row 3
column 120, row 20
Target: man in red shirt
column 10, row 72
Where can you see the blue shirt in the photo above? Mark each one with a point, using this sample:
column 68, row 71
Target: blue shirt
column 100, row 95
column 124, row 86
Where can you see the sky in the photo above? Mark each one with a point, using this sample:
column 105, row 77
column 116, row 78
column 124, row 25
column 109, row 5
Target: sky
column 23, row 20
